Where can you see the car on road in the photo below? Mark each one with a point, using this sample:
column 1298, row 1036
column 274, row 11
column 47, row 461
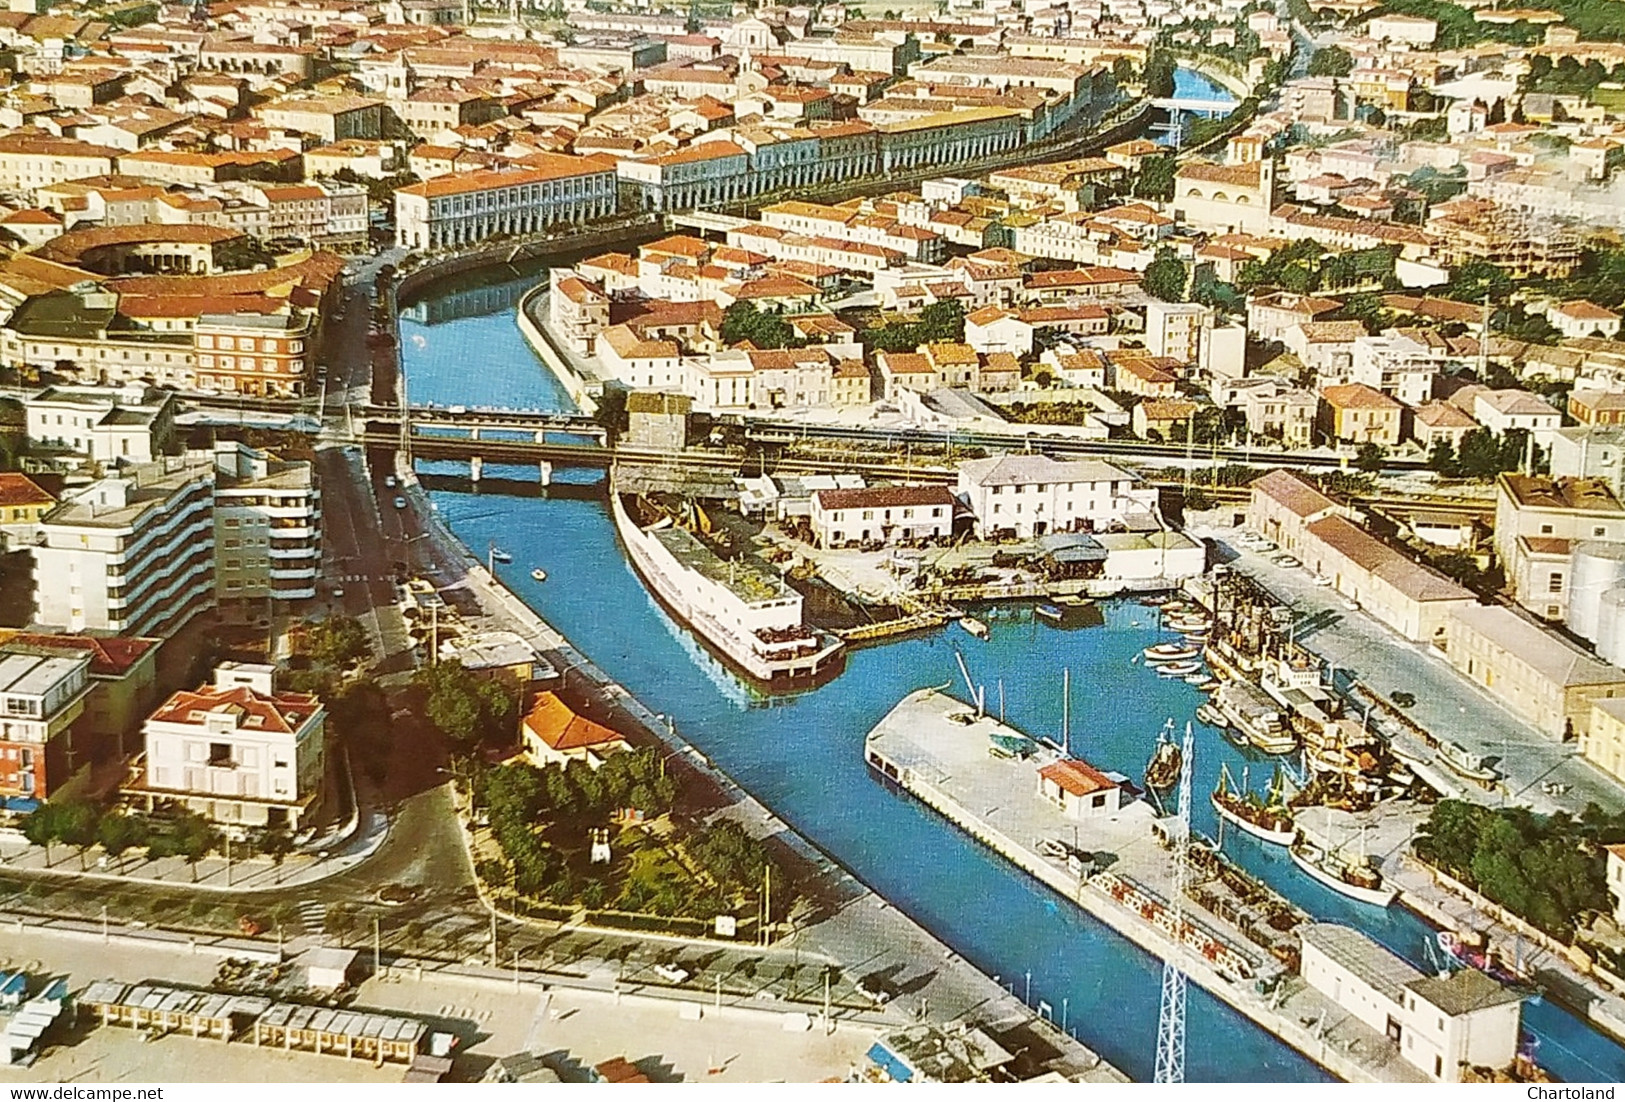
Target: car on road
column 400, row 503
column 1404, row 699
column 1265, row 547
column 1352, row 606
column 873, row 992
column 1289, row 561
column 1321, row 579
column 389, row 481
column 338, row 591
column 671, row 973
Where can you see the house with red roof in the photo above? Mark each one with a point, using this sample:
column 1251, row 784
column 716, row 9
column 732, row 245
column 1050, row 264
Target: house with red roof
column 1079, row 789
column 551, row 733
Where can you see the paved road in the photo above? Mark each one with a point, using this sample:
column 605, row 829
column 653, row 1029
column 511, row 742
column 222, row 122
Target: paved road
column 1360, row 649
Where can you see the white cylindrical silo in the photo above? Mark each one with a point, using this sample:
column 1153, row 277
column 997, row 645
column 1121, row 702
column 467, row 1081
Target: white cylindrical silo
column 1597, row 567
column 1611, row 626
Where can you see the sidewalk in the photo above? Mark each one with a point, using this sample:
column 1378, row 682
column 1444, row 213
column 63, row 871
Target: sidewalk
column 212, row 874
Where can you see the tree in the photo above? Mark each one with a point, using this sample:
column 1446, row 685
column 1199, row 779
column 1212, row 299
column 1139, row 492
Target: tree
column 120, row 833
column 942, row 321
column 1370, row 457
column 1165, row 277
column 1332, row 61
column 1156, row 178
column 78, row 826
column 742, row 321
column 464, row 707
column 1122, row 70
column 1159, row 74
column 339, row 921
column 42, row 826
column 1442, row 458
column 276, row 843
column 193, row 838
column 339, row 641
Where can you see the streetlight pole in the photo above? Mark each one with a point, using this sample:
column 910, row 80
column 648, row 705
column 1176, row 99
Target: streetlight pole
column 1029, row 999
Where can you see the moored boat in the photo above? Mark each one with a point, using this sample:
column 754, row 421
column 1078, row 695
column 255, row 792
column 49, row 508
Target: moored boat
column 975, row 627
column 1268, row 819
column 1171, row 652
column 1049, row 612
column 1162, row 771
column 1272, row 740
column 538, row 575
column 1210, row 715
column 1355, row 879
column 1177, row 669
column 1464, row 762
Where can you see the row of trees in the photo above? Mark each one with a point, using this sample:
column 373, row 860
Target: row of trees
column 742, row 321
column 1482, row 454
column 1548, row 871
column 184, row 834
column 468, row 709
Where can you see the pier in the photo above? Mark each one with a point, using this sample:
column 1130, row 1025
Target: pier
column 983, row 776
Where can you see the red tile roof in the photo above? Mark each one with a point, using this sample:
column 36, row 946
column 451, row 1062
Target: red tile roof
column 552, row 721
column 1076, row 778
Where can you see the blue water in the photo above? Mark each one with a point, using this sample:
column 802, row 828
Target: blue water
column 1188, row 83
column 802, row 755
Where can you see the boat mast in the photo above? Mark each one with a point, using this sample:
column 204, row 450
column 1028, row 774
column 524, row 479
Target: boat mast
column 1066, row 711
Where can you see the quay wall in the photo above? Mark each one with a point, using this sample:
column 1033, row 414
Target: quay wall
column 530, row 327
column 1341, row 1064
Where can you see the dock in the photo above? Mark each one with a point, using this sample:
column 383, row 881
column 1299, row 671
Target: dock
column 1114, row 864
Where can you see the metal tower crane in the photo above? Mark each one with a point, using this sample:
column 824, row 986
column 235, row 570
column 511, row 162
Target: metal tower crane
column 1171, row 1021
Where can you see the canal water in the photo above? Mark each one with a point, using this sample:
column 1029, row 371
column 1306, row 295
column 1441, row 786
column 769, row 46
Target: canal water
column 802, row 755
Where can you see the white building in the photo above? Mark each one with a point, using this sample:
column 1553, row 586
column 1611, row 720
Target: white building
column 1395, row 364
column 1079, row 789
column 1580, row 318
column 463, row 209
column 267, row 529
column 1438, row 1024
column 1174, row 329
column 131, row 554
column 240, row 751
column 1501, row 411
column 1033, row 495
column 884, row 514
column 110, row 426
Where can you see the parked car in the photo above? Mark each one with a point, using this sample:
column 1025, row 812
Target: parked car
column 671, row 973
column 400, row 503
column 1289, row 561
column 389, row 481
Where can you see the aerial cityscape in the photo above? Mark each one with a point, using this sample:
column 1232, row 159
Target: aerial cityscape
column 578, row 541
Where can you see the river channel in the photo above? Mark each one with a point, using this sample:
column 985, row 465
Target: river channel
column 802, row 755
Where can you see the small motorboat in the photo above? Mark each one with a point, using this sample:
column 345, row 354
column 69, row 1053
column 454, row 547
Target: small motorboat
column 1049, row 612
column 499, row 555
column 1178, row 669
column 975, row 627
column 1171, row 652
column 1197, row 679
column 1208, row 684
column 538, row 575
column 1464, row 762
column 1187, row 623
column 1211, row 716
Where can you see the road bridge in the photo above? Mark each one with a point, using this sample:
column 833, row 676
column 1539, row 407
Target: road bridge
column 1192, row 105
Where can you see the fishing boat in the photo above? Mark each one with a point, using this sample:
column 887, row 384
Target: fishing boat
column 1272, row 740
column 1197, row 679
column 975, row 627
column 1050, row 613
column 1162, row 771
column 1171, row 652
column 1187, row 623
column 538, row 575
column 1177, row 669
column 1464, row 762
column 1473, row 950
column 1269, row 819
column 1355, row 879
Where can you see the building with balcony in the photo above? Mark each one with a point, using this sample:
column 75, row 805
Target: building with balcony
column 267, row 530
column 40, row 698
column 132, row 553
column 260, row 355
column 123, row 686
column 240, row 751
column 883, row 514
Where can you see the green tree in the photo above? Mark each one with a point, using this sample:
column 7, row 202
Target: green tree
column 1159, row 74
column 464, row 707
column 1122, row 70
column 120, row 833
column 1156, row 178
column 742, row 321
column 1442, row 458
column 1165, row 277
column 942, row 321
column 193, row 837
column 1370, row 457
column 276, row 843
column 1331, row 61
column 43, row 826
column 78, row 826
column 339, row 641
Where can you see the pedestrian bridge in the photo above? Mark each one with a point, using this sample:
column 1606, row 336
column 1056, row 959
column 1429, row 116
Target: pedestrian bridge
column 1190, row 105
